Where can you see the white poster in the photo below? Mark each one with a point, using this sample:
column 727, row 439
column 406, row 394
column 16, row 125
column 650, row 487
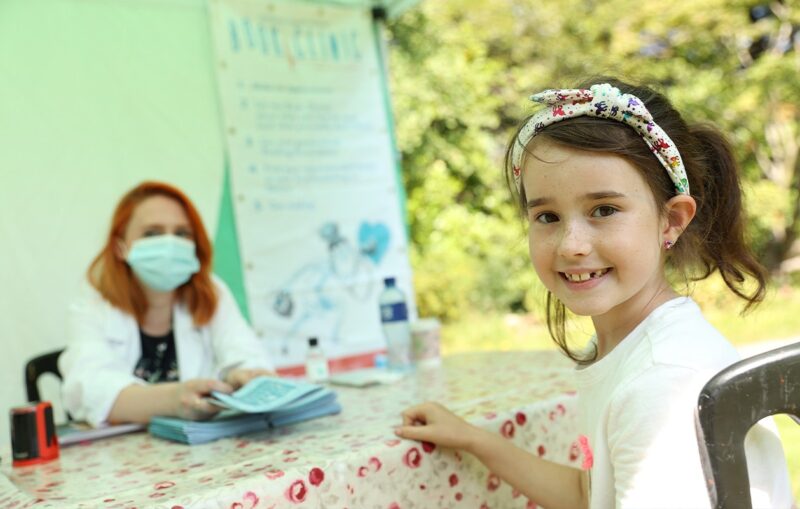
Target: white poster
column 313, row 174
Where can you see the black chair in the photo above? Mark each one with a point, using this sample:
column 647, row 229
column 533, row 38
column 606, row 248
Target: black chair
column 729, row 405
column 38, row 366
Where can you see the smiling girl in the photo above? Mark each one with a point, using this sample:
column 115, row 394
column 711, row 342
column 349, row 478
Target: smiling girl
column 620, row 193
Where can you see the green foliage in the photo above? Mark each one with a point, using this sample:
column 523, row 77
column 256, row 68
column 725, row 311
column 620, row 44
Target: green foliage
column 776, row 318
column 462, row 70
column 790, row 438
column 467, row 239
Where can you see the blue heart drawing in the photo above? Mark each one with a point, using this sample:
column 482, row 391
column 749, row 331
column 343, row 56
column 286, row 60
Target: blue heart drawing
column 373, row 240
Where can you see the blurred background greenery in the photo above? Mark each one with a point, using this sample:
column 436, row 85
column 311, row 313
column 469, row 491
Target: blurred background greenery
column 461, row 73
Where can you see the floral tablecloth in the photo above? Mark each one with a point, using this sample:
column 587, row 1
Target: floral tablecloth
column 352, row 460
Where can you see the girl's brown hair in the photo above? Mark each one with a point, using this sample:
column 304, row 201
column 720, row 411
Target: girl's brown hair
column 114, row 280
column 714, row 240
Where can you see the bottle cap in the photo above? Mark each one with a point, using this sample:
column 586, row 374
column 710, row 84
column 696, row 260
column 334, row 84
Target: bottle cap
column 312, row 341
column 389, row 281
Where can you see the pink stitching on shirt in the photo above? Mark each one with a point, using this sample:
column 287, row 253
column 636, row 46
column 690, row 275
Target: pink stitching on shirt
column 586, row 450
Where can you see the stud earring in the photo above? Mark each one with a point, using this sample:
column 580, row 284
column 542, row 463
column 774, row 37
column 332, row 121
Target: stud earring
column 668, row 244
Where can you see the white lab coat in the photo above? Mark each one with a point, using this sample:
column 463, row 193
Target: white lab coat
column 104, row 346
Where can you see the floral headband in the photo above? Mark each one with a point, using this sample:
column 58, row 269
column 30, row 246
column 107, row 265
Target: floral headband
column 604, row 101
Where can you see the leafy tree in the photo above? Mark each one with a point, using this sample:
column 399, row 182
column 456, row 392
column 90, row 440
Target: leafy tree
column 461, row 70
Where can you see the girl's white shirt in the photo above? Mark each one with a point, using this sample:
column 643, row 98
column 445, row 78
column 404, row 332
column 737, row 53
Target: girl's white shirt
column 104, row 346
column 636, row 407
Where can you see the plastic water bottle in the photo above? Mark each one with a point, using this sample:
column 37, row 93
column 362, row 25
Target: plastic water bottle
column 396, row 329
column 316, row 362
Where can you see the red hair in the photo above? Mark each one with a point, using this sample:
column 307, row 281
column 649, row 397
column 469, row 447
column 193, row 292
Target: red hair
column 114, row 280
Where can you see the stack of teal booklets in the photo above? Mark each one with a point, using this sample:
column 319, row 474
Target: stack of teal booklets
column 262, row 404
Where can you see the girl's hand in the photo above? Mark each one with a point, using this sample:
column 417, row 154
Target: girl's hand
column 431, row 422
column 191, row 398
column 238, row 377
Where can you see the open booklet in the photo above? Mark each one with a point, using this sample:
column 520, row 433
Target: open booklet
column 261, row 404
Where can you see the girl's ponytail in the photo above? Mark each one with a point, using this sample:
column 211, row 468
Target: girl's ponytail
column 717, row 231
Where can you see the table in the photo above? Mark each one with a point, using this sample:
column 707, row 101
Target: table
column 352, row 460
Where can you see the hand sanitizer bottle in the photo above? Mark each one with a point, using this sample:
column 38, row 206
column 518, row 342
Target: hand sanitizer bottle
column 316, row 362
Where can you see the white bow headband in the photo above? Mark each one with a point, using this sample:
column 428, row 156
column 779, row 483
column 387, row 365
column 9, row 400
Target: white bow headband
column 604, row 101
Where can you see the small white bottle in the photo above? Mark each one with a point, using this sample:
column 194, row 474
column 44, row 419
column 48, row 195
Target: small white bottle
column 316, row 362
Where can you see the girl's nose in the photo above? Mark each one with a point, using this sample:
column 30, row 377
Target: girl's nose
column 575, row 240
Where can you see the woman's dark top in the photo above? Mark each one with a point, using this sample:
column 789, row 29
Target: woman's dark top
column 159, row 362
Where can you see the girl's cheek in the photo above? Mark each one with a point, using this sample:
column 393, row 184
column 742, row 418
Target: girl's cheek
column 538, row 261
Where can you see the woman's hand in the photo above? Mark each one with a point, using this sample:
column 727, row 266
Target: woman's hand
column 431, row 422
column 238, row 377
column 191, row 398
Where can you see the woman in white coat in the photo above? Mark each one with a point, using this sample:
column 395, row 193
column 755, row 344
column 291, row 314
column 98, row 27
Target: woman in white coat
column 155, row 331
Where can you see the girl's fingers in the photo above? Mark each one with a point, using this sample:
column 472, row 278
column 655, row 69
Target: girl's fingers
column 410, row 419
column 419, row 433
column 417, row 415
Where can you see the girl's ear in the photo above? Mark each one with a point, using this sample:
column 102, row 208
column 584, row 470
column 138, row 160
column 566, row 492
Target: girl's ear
column 680, row 212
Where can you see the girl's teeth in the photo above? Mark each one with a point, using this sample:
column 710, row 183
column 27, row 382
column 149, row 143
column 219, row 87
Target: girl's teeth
column 577, row 278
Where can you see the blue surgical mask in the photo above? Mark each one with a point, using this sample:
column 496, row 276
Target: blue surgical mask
column 163, row 262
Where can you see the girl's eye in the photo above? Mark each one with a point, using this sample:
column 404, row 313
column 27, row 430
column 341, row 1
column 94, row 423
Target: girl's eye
column 186, row 234
column 152, row 232
column 546, row 218
column 603, row 211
